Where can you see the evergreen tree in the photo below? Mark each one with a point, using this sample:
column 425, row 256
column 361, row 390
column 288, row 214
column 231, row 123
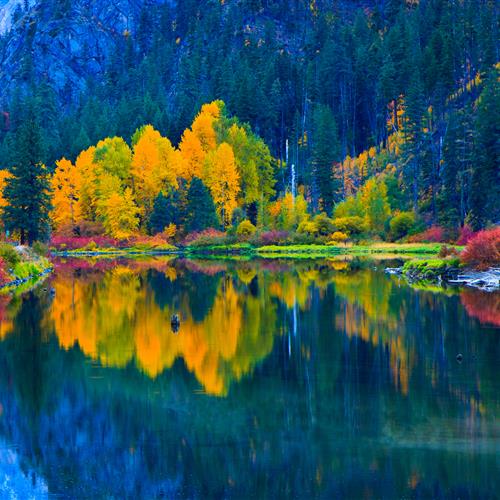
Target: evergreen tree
column 457, row 164
column 163, row 213
column 413, row 139
column 485, row 184
column 201, row 212
column 325, row 153
column 27, row 191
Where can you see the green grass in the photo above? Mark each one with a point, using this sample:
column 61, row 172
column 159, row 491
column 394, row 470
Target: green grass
column 430, row 265
column 392, row 249
column 234, row 248
column 30, row 269
column 310, row 251
column 143, row 249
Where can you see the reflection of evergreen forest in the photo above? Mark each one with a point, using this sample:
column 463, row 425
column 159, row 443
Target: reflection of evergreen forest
column 336, row 379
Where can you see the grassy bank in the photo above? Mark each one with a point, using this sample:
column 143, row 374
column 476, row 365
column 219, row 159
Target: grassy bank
column 268, row 251
column 432, row 269
column 326, row 250
column 318, row 251
column 21, row 267
column 117, row 252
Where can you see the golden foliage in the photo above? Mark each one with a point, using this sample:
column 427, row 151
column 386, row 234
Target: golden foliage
column 155, row 165
column 4, row 175
column 222, row 179
column 127, row 325
column 66, row 187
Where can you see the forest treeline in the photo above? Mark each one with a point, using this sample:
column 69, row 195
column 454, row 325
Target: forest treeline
column 384, row 107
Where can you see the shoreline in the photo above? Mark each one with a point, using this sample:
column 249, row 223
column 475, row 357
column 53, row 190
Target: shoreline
column 449, row 272
column 17, row 283
column 266, row 251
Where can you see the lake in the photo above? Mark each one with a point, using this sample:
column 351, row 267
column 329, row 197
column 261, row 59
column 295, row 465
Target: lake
column 324, row 379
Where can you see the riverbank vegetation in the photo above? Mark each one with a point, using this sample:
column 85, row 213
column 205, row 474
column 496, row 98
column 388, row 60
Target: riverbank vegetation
column 216, row 190
column 21, row 265
column 426, row 174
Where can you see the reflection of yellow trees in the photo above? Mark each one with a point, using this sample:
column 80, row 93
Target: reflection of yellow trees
column 7, row 314
column 115, row 319
column 368, row 315
column 290, row 290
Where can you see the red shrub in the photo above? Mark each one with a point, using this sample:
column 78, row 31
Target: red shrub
column 89, row 228
column 4, row 273
column 435, row 234
column 482, row 305
column 206, row 238
column 272, row 238
column 158, row 240
column 466, row 234
column 447, row 251
column 76, row 242
column 483, row 250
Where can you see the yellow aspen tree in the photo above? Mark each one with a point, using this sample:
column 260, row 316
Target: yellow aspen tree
column 200, row 139
column 4, row 175
column 66, row 183
column 221, row 176
column 203, row 124
column 193, row 155
column 121, row 218
column 105, row 186
column 375, row 204
column 203, row 129
column 114, row 156
column 245, row 162
column 86, row 168
column 154, row 167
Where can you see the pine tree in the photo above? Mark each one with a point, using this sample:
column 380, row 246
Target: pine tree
column 27, row 191
column 413, row 139
column 162, row 215
column 485, row 183
column 457, row 165
column 201, row 212
column 325, row 153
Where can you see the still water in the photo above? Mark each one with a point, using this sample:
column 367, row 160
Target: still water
column 285, row 380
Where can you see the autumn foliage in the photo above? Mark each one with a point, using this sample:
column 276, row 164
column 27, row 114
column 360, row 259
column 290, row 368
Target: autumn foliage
column 115, row 185
column 4, row 273
column 484, row 306
column 435, row 234
column 466, row 234
column 62, row 243
column 483, row 250
column 206, row 238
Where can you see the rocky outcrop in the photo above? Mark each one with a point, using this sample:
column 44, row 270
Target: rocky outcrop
column 66, row 43
column 448, row 272
column 488, row 281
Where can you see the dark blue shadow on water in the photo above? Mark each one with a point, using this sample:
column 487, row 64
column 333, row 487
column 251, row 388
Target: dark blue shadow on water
column 307, row 380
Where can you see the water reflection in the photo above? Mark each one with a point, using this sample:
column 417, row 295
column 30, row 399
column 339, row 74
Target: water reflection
column 325, row 379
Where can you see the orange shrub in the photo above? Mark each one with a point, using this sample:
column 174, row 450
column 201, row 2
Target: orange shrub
column 483, row 250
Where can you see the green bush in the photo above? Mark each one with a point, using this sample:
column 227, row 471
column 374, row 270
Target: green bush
column 324, row 225
column 402, row 224
column 9, row 254
column 41, row 249
column 337, row 237
column 245, row 229
column 353, row 225
column 24, row 270
column 303, row 238
column 307, row 227
column 238, row 216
